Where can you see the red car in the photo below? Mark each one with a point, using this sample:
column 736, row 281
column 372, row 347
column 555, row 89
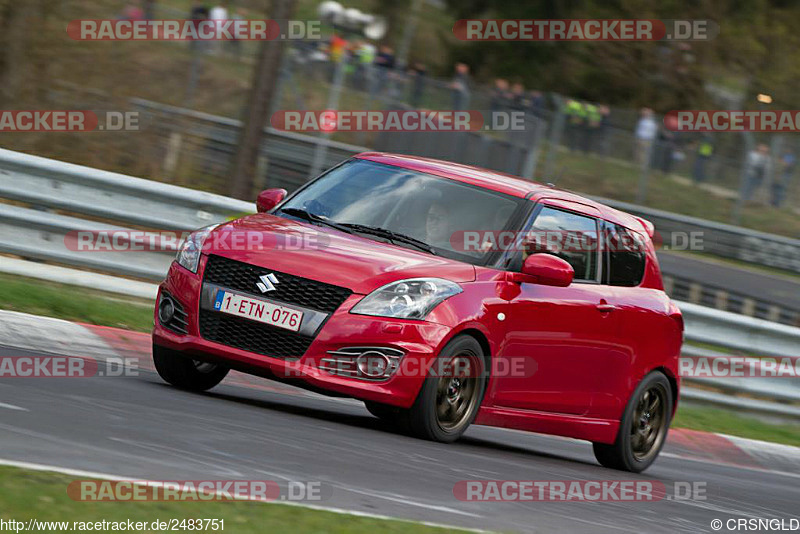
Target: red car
column 441, row 295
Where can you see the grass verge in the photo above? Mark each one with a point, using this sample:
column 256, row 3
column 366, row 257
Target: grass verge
column 727, row 422
column 74, row 304
column 43, row 496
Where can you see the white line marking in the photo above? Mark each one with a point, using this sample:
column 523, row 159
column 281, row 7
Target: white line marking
column 731, row 465
column 12, row 407
column 404, row 500
column 106, row 476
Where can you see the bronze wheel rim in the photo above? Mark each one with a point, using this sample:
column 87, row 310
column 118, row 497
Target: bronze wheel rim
column 649, row 423
column 457, row 392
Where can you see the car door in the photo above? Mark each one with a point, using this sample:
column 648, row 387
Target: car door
column 565, row 335
column 640, row 312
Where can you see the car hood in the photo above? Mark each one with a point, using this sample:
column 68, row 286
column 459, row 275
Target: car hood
column 327, row 255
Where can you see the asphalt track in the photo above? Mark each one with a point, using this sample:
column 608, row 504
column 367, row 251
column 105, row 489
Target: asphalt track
column 138, row 427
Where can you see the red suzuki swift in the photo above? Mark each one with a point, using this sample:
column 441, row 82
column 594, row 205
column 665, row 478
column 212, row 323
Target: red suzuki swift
column 441, row 295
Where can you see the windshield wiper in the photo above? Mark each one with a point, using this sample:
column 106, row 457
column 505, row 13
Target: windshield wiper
column 391, row 236
column 311, row 217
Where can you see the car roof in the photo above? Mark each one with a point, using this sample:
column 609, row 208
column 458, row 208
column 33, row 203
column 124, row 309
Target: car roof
column 510, row 185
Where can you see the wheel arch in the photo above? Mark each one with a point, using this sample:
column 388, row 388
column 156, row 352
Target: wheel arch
column 483, row 341
column 673, row 385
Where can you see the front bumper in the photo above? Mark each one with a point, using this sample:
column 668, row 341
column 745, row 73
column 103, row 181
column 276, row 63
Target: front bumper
column 420, row 342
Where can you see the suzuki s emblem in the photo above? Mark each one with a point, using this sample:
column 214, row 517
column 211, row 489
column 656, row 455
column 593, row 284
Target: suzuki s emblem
column 267, row 282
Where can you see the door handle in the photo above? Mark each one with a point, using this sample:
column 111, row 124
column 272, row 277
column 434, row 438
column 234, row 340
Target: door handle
column 604, row 307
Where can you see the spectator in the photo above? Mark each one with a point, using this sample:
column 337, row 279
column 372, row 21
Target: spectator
column 419, row 74
column 460, row 87
column 592, row 127
column 500, row 96
column 519, row 100
column 364, row 53
column 576, row 121
column 385, row 61
column 646, row 130
column 199, row 11
column 149, row 9
column 218, row 15
column 537, row 104
column 780, row 184
column 385, row 57
column 235, row 45
column 132, row 12
column 198, row 14
column 667, row 144
column 604, row 131
column 757, row 167
column 705, row 149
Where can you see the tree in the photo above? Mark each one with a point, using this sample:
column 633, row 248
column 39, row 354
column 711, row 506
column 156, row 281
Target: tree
column 266, row 77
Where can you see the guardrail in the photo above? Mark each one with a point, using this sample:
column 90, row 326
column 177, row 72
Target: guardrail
column 107, row 195
column 723, row 240
column 102, row 201
column 744, row 335
column 288, row 157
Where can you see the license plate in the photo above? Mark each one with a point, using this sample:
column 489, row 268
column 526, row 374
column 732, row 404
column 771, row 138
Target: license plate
column 258, row 310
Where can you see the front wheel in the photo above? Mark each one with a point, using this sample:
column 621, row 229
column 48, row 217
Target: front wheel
column 186, row 373
column 451, row 394
column 643, row 428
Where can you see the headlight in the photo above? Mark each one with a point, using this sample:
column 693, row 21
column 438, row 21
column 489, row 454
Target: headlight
column 407, row 299
column 189, row 251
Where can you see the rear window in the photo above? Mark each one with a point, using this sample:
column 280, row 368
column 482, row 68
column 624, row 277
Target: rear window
column 626, row 256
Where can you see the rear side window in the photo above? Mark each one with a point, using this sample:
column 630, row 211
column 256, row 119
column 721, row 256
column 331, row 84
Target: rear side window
column 569, row 236
column 626, row 256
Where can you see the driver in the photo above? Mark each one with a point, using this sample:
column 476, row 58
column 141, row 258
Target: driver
column 437, row 226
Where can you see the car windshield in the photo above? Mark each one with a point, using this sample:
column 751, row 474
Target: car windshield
column 420, row 211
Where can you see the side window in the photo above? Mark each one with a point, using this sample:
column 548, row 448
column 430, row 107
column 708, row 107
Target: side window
column 569, row 236
column 626, row 256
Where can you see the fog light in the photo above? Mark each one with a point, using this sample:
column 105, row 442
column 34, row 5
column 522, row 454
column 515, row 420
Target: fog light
column 166, row 310
column 372, row 364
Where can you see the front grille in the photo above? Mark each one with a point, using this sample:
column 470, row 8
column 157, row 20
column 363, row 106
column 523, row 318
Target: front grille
column 252, row 336
column 290, row 289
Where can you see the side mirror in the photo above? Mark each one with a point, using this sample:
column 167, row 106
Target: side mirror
column 545, row 269
column 269, row 198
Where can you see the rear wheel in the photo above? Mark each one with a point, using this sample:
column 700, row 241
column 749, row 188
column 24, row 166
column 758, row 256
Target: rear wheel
column 643, row 428
column 451, row 395
column 186, row 373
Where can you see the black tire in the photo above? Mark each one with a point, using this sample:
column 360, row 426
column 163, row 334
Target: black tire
column 424, row 418
column 186, row 373
column 630, row 451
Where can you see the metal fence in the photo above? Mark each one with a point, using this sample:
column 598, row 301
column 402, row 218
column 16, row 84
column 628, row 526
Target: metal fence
column 56, row 200
column 287, row 160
